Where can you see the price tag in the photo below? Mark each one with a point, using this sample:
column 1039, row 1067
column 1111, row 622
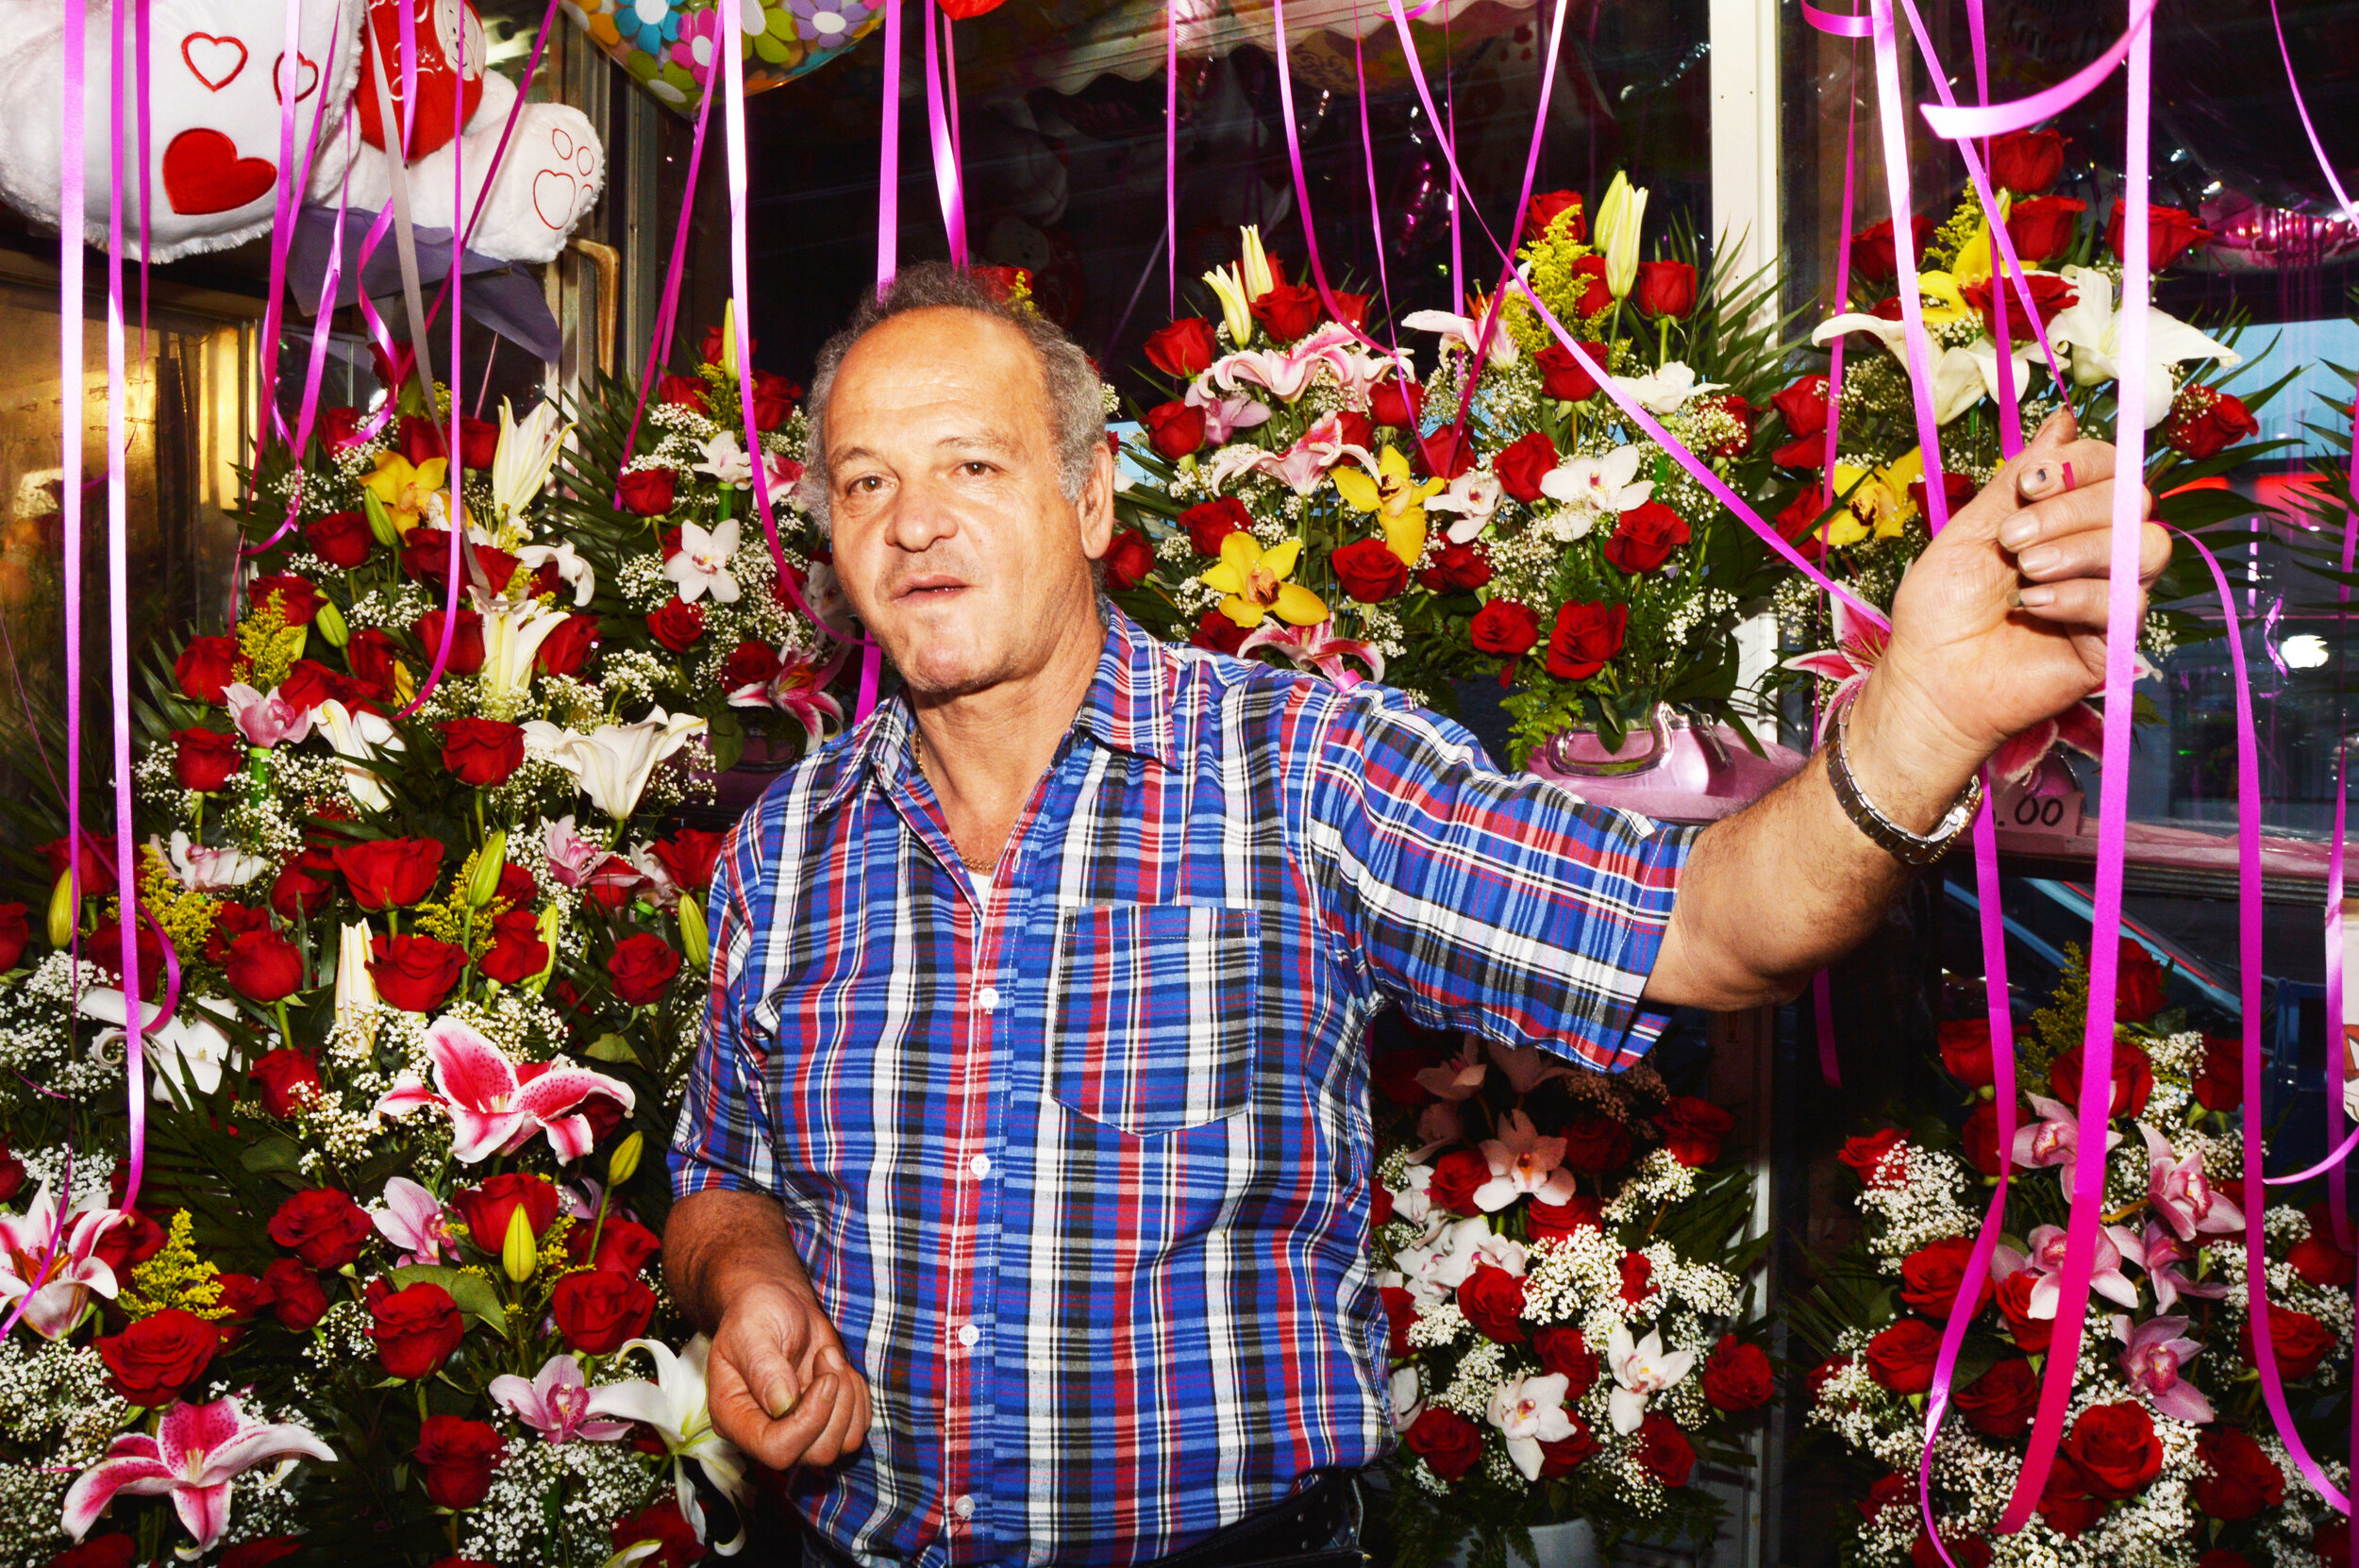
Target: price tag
column 2036, row 809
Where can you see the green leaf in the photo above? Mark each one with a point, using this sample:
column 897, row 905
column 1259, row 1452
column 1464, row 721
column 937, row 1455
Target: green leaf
column 272, row 1153
column 472, row 1291
column 610, row 1047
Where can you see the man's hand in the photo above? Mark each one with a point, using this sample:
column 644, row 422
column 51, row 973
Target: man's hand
column 780, row 1386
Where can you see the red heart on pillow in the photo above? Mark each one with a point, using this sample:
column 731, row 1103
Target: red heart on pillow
column 204, row 173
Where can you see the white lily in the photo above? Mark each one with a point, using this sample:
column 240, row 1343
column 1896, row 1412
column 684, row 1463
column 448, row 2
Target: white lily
column 1259, row 279
column 1237, row 312
column 1666, row 391
column 1620, row 216
column 526, row 452
column 701, row 564
column 614, row 761
column 1640, row 1369
column 513, row 635
column 726, row 460
column 1962, row 377
column 1607, row 485
column 2093, row 327
column 675, row 1406
column 187, row 1052
column 359, row 734
column 204, row 870
column 572, row 570
column 1465, row 331
column 355, row 992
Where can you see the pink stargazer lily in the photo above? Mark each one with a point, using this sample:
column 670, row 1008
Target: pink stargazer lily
column 2180, row 1194
column 48, row 1260
column 2047, row 1261
column 556, row 1403
column 798, row 690
column 414, row 1220
column 2157, row 1348
column 1224, row 412
column 1317, row 649
column 1301, row 466
column 572, row 858
column 196, row 1451
column 2164, row 1252
column 1522, row 1162
column 493, row 1108
column 2053, row 1140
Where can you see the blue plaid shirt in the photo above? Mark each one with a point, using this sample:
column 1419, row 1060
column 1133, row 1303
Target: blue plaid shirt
column 1081, row 1171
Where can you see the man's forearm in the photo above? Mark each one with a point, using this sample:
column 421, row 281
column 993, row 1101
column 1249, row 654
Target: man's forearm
column 717, row 1241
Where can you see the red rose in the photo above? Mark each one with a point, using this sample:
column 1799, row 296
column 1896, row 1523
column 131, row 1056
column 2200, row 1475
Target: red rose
column 677, row 1542
column 599, row 1310
column 2317, row 1260
column 264, row 967
column 1965, row 1551
column 2331, row 1541
column 1662, row 1450
column 1564, row 377
column 297, row 1299
column 415, row 973
column 1128, row 558
column 206, row 666
column 104, row 947
column 624, row 1247
column 322, row 1226
column 1287, row 311
column 2237, row 1479
column 466, row 640
column 1803, row 407
column 1663, row 289
column 1561, row 1220
column 1692, row 1129
column 339, row 428
column 1637, row 1277
column 416, row 1330
column 12, row 1173
column 342, row 539
column 1930, row 1277
column 716, row 344
column 1520, row 465
column 689, row 855
column 478, row 442
column 1210, row 522
column 565, row 649
column 685, row 392
column 2014, row 1304
column 1871, row 249
column 2026, row 162
column 99, row 1551
column 2300, row 1341
column 1737, row 1376
column 1956, row 489
column 1900, row 1358
column 1979, row 1138
column 1564, row 1353
column 643, row 966
column 457, row 1455
column 482, row 752
column 1966, row 1050
column 1596, row 297
column 371, row 655
column 1816, row 1379
column 1596, row 1143
column 390, row 872
column 1401, row 1314
column 261, row 1552
column 1175, row 430
column 1564, row 1455
column 2133, row 1077
column 1493, row 1300
column 2115, row 1449
column 486, row 1209
column 1351, row 309
column 1368, row 570
column 231, row 922
column 1456, row 1175
column 1867, row 1156
column 1456, row 568
column 1884, row 1495
column 1799, row 522
column 1184, row 348
column 774, row 400
column 2220, row 1557
column 1448, row 1442
column 155, row 1359
column 298, row 600
column 1398, row 402
column 2171, row 233
column 1584, row 637
column 2044, row 227
column 420, row 438
column 750, row 663
column 205, row 759
column 1999, row 1403
column 14, row 934
column 307, row 684
column 1504, row 628
column 131, row 1239
column 647, row 492
column 1548, row 207
column 2065, row 1505
column 2204, row 419
column 1644, row 539
column 1446, row 454
column 517, row 953
column 287, row 1079
column 426, row 556
column 1217, row 633
column 304, row 885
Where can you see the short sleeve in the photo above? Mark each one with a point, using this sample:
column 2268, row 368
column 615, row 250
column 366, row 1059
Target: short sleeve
column 724, row 1138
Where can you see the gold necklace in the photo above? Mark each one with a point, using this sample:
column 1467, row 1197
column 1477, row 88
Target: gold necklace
column 917, row 755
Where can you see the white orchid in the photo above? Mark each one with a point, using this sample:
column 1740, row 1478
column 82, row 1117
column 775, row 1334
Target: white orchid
column 727, row 462
column 701, row 564
column 528, row 450
column 357, row 735
column 355, row 991
column 2093, row 327
column 675, row 1406
column 1606, row 486
column 1641, row 1370
column 1530, row 1411
column 614, row 761
column 571, row 569
column 187, row 1051
column 1407, row 1393
column 1523, row 1164
column 201, row 869
column 1465, row 331
column 1474, row 495
column 1666, row 391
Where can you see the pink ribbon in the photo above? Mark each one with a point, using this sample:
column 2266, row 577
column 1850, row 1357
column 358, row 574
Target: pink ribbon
column 946, row 182
column 888, row 172
column 668, row 307
column 1375, row 208
column 1955, row 123
column 1171, row 146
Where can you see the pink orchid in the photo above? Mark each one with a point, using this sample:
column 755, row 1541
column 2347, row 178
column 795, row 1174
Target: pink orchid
column 1438, row 1127
column 196, row 1452
column 798, row 690
column 1317, row 649
column 1522, row 1162
column 556, row 1403
column 493, row 1108
column 2053, row 1140
column 2181, row 1194
column 2163, row 1251
column 2157, row 1349
column 1413, row 1201
column 2047, row 1261
column 265, row 721
column 1456, row 1078
column 414, row 1220
column 48, row 1262
column 1527, row 1066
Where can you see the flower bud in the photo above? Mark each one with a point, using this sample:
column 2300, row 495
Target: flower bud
column 332, row 624
column 64, row 908
column 484, row 880
column 728, row 337
column 380, row 521
column 624, row 1162
column 1259, row 280
column 694, row 941
column 552, row 924
column 518, row 1252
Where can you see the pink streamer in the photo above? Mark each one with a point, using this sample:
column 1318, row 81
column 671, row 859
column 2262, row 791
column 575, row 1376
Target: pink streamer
column 1954, row 124
column 888, row 172
column 947, row 186
column 1171, row 146
column 667, row 311
column 1375, row 208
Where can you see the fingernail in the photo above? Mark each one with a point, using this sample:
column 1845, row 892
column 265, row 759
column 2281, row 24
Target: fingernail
column 2035, row 561
column 2039, row 481
column 2018, row 530
column 2035, row 597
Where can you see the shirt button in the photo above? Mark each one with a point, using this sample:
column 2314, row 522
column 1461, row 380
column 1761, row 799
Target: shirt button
column 968, row 1334
column 987, row 998
column 980, row 1166
column 964, row 1507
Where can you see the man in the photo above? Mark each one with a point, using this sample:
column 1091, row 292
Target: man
column 1023, row 1175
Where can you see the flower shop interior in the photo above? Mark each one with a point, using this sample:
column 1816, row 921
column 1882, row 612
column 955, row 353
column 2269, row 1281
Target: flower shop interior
column 1559, row 362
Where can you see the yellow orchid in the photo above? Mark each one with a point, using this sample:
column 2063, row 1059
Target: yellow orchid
column 405, row 488
column 1254, row 581
column 1394, row 495
column 1939, row 294
column 1877, row 501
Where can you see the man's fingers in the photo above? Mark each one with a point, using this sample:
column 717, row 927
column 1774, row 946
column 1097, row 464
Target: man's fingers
column 2083, row 508
column 2089, row 554
column 2081, row 603
column 744, row 1417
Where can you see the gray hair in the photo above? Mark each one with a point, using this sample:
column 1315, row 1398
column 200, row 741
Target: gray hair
column 1077, row 410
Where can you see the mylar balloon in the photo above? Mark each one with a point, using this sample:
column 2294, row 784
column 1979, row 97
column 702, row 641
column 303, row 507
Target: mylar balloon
column 668, row 45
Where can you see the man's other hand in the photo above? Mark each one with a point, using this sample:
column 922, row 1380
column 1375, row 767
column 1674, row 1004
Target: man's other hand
column 780, row 1386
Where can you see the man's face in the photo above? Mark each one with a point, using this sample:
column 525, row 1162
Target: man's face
column 951, row 537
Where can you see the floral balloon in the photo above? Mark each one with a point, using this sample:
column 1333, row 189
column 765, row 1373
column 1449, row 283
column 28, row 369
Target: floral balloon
column 669, row 45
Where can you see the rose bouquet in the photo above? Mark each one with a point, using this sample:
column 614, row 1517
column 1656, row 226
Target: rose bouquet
column 1562, row 1274
column 2167, row 1456
column 439, row 973
column 1311, row 496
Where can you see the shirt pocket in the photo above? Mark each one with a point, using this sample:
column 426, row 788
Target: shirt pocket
column 1154, row 1013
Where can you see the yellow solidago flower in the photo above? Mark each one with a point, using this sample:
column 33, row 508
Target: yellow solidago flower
column 175, row 1276
column 1394, row 495
column 405, row 488
column 1877, row 502
column 1254, row 581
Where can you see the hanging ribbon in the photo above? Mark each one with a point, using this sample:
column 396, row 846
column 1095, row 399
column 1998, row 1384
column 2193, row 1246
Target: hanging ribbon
column 667, row 308
column 888, row 156
column 1171, row 146
column 1375, row 208
column 947, row 186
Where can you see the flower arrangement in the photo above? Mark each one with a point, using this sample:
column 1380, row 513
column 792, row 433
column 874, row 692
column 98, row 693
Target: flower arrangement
column 1312, row 498
column 2167, row 1456
column 1563, row 1274
column 439, row 976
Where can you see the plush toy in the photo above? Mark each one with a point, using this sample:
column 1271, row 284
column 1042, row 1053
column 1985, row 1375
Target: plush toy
column 218, row 70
